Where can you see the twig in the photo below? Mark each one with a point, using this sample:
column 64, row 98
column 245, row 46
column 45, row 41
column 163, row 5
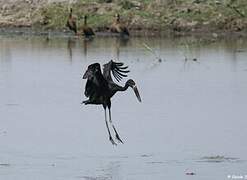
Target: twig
column 152, row 51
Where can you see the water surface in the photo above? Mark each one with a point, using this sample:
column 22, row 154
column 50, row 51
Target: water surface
column 192, row 118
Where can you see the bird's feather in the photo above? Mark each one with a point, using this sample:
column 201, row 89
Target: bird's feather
column 90, row 88
column 116, row 69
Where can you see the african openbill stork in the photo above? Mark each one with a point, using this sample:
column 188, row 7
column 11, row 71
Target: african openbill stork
column 100, row 88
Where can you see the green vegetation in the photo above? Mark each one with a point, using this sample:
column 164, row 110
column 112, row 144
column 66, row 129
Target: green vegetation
column 54, row 15
column 125, row 4
column 175, row 15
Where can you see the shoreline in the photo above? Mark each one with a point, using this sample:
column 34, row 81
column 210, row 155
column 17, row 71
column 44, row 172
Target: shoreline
column 29, row 31
column 143, row 18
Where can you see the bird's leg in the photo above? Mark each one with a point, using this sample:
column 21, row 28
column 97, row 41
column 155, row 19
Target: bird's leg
column 110, row 137
column 116, row 133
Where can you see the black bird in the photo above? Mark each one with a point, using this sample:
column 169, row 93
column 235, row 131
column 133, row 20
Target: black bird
column 87, row 30
column 100, row 88
column 71, row 22
column 118, row 27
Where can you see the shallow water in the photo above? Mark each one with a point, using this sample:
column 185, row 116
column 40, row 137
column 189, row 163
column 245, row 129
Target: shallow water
column 192, row 118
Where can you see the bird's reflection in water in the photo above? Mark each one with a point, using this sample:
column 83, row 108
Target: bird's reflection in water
column 86, row 42
column 123, row 41
column 70, row 46
column 118, row 43
column 5, row 56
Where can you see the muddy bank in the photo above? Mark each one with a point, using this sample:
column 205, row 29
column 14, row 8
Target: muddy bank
column 149, row 17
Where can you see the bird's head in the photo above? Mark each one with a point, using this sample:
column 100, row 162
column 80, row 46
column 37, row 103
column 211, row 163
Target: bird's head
column 132, row 84
column 92, row 70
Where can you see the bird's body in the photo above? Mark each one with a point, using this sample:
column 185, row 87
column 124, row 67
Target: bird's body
column 86, row 30
column 100, row 87
column 118, row 27
column 96, row 87
column 71, row 22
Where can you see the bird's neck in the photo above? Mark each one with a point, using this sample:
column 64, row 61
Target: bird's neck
column 70, row 13
column 126, row 86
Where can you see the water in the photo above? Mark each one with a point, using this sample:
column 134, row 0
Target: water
column 192, row 118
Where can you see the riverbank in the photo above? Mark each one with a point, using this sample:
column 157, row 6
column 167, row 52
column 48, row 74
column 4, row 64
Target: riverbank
column 148, row 17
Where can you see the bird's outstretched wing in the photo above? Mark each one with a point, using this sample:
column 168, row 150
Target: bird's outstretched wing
column 116, row 68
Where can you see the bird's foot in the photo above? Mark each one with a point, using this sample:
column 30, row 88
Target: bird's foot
column 112, row 141
column 85, row 102
column 118, row 138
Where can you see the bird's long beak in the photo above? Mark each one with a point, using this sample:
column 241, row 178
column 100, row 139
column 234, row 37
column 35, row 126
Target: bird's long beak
column 87, row 74
column 137, row 93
